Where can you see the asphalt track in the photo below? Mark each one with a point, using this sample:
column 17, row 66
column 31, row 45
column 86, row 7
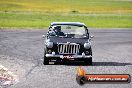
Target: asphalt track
column 21, row 51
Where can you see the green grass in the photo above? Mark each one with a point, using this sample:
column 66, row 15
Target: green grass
column 80, row 6
column 40, row 13
column 44, row 20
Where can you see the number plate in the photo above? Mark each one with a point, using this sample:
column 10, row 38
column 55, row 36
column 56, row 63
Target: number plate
column 70, row 57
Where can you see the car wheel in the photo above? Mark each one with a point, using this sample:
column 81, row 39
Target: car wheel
column 46, row 61
column 88, row 61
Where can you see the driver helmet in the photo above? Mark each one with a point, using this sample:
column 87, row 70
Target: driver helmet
column 57, row 28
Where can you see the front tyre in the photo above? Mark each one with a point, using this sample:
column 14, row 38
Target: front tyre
column 46, row 61
column 88, row 61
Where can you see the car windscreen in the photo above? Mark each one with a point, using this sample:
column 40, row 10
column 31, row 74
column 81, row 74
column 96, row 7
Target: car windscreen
column 68, row 30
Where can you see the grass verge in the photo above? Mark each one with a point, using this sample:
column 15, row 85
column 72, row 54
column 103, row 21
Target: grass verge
column 40, row 20
column 40, row 13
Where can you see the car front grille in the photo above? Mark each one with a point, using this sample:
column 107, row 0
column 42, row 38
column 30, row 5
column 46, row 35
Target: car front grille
column 68, row 48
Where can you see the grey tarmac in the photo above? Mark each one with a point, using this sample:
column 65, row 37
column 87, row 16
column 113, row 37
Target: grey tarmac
column 21, row 51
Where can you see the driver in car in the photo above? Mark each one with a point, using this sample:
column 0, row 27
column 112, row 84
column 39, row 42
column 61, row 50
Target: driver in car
column 57, row 30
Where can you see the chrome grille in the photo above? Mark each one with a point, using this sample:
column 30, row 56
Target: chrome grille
column 68, row 48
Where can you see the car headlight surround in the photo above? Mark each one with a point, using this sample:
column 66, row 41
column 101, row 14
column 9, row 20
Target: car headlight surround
column 87, row 45
column 49, row 44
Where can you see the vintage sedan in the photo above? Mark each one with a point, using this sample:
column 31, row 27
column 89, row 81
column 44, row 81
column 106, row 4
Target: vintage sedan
column 67, row 41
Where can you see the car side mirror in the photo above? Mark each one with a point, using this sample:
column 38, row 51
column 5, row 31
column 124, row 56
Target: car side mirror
column 91, row 37
column 43, row 36
column 49, row 29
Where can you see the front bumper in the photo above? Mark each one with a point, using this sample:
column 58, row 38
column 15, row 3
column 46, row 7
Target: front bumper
column 68, row 56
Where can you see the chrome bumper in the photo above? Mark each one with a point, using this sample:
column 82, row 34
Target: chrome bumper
column 70, row 56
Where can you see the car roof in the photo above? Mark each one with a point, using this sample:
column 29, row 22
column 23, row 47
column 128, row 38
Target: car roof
column 68, row 23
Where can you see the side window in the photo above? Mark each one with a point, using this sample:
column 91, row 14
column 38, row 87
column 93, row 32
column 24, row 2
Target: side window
column 86, row 31
column 50, row 31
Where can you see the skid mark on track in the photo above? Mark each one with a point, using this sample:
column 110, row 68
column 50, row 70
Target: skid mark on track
column 7, row 78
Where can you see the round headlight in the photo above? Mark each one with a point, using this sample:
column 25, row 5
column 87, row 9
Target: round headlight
column 49, row 44
column 87, row 45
